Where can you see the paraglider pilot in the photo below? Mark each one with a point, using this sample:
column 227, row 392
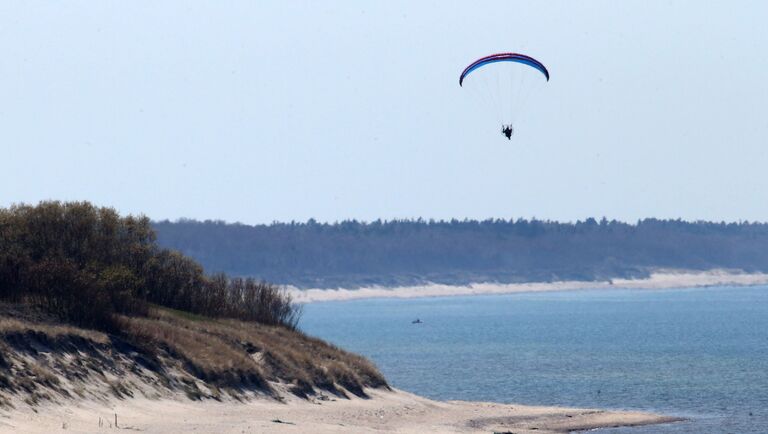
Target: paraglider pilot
column 507, row 130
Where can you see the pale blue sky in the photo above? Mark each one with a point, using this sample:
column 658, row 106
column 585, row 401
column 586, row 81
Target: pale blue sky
column 261, row 111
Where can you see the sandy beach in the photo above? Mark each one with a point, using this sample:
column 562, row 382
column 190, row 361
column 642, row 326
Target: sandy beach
column 661, row 279
column 395, row 411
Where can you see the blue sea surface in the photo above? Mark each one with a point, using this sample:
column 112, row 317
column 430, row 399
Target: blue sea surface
column 701, row 354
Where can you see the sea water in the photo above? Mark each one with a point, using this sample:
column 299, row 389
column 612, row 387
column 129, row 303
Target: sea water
column 701, row 354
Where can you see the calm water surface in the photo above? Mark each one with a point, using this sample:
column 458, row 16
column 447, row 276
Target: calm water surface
column 696, row 353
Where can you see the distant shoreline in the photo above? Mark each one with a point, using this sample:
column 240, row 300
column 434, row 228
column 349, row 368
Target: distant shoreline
column 659, row 279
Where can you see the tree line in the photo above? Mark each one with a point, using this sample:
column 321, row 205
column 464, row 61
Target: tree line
column 354, row 253
column 87, row 264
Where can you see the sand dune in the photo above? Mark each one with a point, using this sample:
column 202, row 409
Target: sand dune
column 658, row 280
column 395, row 411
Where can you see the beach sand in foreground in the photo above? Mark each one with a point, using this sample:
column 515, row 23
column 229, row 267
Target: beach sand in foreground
column 395, row 411
column 661, row 279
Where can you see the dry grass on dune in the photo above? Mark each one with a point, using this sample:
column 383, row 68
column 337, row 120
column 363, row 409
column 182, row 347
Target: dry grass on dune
column 207, row 358
column 16, row 318
column 11, row 325
column 275, row 353
column 171, row 352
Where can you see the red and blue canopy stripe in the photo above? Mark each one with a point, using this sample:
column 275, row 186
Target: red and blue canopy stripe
column 504, row 57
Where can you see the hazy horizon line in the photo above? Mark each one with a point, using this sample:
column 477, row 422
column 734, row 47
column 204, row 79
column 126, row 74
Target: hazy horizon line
column 596, row 220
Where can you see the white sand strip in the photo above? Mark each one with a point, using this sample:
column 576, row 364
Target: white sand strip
column 391, row 412
column 661, row 279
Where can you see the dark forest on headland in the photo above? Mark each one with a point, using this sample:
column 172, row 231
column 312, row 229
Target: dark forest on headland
column 403, row 252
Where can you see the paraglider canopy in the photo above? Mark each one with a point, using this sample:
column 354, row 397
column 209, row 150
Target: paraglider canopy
column 503, row 82
column 504, row 57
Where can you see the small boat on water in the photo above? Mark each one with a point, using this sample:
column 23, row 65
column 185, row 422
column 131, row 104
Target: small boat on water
column 417, row 321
